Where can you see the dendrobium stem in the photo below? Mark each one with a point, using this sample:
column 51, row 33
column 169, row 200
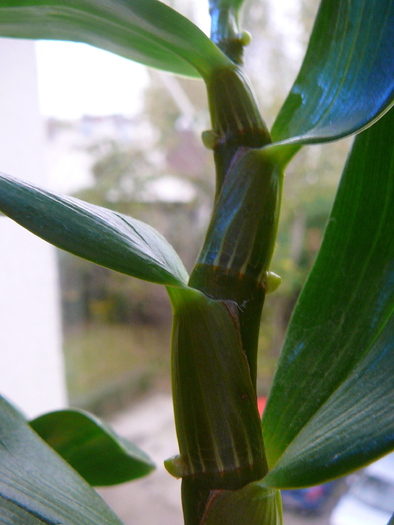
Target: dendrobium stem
column 235, row 117
column 217, row 319
column 225, row 31
column 217, row 421
column 215, row 334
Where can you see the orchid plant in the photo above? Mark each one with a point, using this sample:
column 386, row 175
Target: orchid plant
column 330, row 410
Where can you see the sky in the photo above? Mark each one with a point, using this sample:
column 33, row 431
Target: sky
column 77, row 79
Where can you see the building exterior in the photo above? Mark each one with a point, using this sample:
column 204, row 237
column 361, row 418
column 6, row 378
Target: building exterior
column 31, row 371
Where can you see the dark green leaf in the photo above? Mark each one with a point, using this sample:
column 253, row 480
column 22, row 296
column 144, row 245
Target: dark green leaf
column 100, row 235
column 352, row 428
column 346, row 80
column 92, row 448
column 330, row 410
column 146, row 31
column 36, row 486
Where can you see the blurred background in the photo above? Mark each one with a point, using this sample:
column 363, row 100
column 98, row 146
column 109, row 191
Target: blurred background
column 128, row 138
column 84, row 122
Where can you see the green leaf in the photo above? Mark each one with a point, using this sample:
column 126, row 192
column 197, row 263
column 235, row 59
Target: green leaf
column 146, row 31
column 254, row 504
column 92, row 448
column 37, row 486
column 97, row 234
column 346, row 80
column 330, row 410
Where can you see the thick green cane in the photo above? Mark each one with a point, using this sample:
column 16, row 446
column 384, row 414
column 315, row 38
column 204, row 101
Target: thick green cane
column 225, row 31
column 234, row 261
column 238, row 247
column 215, row 333
column 214, row 344
column 216, row 417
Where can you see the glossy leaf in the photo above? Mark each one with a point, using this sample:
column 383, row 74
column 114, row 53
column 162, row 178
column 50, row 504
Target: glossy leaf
column 346, row 79
column 330, row 410
column 100, row 235
column 37, row 486
column 92, row 448
column 254, row 504
column 146, row 31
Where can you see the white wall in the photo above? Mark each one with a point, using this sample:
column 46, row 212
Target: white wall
column 31, row 365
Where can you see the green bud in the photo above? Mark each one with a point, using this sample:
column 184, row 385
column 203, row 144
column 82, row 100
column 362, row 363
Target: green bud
column 272, row 282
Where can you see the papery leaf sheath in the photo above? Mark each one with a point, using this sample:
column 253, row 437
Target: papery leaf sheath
column 235, row 117
column 254, row 504
column 242, row 232
column 220, row 439
column 215, row 406
column 239, row 243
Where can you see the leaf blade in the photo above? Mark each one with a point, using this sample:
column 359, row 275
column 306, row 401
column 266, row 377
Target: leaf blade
column 148, row 32
column 37, row 485
column 314, row 456
column 346, row 305
column 100, row 456
column 97, row 234
column 345, row 82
